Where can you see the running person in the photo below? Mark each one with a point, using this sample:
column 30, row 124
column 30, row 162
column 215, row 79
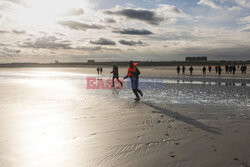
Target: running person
column 115, row 75
column 133, row 74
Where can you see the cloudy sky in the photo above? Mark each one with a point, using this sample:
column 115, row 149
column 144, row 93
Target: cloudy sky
column 111, row 30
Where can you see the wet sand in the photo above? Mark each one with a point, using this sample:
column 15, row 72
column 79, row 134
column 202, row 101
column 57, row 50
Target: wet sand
column 49, row 118
column 158, row 71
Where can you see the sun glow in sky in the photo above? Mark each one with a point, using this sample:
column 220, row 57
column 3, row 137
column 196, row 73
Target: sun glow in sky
column 54, row 6
column 78, row 30
column 47, row 12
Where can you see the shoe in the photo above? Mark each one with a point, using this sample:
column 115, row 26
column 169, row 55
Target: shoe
column 137, row 99
column 141, row 93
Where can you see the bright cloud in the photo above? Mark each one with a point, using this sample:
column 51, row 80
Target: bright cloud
column 209, row 3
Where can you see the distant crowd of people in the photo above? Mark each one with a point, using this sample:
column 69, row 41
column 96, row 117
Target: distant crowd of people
column 218, row 69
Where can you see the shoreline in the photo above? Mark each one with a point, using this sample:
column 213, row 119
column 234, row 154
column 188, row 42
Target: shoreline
column 151, row 72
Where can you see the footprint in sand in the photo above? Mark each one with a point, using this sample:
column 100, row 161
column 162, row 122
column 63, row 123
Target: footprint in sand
column 211, row 138
column 93, row 134
column 171, row 154
column 213, row 147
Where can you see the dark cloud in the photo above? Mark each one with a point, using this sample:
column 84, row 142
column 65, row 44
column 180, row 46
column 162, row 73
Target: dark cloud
column 103, row 41
column 178, row 36
column 86, row 48
column 51, row 42
column 176, row 10
column 109, row 20
column 53, row 53
column 46, row 42
column 95, row 49
column 75, row 25
column 4, row 32
column 19, row 32
column 66, row 41
column 12, row 50
column 130, row 43
column 2, row 44
column 112, row 49
column 132, row 31
column 28, row 39
column 142, row 15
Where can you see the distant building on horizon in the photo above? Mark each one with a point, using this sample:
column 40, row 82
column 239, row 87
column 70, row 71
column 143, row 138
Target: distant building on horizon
column 91, row 61
column 196, row 59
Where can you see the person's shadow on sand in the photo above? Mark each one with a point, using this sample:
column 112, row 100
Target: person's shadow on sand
column 183, row 118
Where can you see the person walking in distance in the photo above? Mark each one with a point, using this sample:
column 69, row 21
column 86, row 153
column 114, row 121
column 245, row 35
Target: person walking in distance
column 245, row 69
column 209, row 69
column 98, row 70
column 242, row 69
column 204, row 70
column 191, row 70
column 219, row 70
column 226, row 68
column 133, row 74
column 101, row 70
column 183, row 69
column 115, row 75
column 234, row 69
column 178, row 70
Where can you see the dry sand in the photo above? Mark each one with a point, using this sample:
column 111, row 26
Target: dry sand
column 59, row 123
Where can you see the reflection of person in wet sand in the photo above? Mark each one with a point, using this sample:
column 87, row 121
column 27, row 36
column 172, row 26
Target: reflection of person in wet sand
column 133, row 74
column 115, row 75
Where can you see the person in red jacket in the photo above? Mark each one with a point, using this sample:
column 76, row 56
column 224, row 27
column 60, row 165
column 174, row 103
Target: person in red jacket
column 133, row 74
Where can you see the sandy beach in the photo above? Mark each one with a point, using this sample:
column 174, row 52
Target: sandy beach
column 57, row 110
column 49, row 118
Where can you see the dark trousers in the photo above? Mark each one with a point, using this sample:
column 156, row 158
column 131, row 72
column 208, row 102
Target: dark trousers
column 134, row 85
column 116, row 77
